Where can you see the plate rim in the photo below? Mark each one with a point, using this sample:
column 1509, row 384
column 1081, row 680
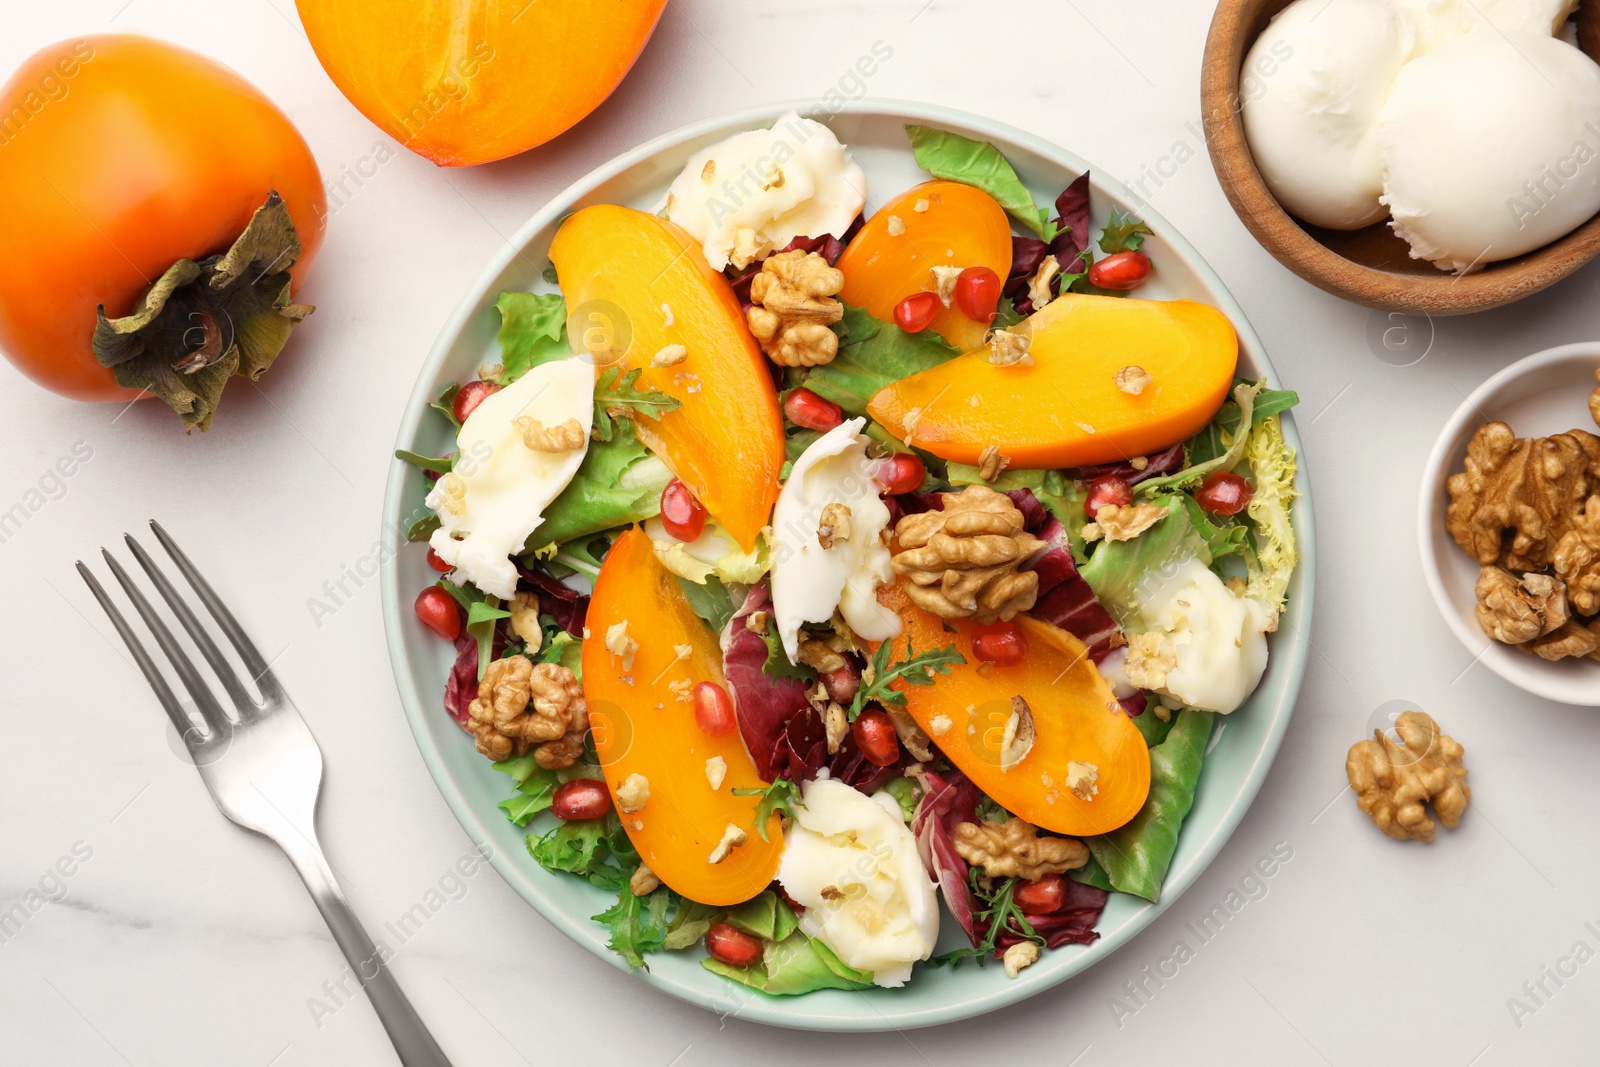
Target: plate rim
column 1502, row 660
column 1291, row 655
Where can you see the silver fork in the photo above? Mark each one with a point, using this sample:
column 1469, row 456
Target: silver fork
column 263, row 767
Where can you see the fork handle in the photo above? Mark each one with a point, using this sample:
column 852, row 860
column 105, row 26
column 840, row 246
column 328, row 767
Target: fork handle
column 412, row 1042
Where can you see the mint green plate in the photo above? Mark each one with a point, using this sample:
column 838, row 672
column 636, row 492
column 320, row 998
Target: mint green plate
column 1243, row 748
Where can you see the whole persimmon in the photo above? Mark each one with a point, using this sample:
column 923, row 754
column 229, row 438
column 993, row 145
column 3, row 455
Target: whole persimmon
column 159, row 212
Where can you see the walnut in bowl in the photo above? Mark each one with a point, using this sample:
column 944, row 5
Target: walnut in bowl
column 1505, row 524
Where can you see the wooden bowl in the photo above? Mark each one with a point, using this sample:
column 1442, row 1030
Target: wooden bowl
column 1370, row 266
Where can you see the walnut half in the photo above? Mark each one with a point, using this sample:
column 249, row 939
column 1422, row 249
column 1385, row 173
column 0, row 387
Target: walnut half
column 1394, row 783
column 964, row 561
column 1515, row 610
column 520, row 704
column 1517, row 497
column 1014, row 849
column 793, row 298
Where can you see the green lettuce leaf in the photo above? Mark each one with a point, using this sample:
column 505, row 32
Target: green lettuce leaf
column 1136, row 856
column 1209, row 442
column 1123, row 233
column 1272, row 468
column 873, row 354
column 1244, row 395
column 534, row 794
column 764, row 916
column 638, row 925
column 1092, row 873
column 438, row 465
column 980, row 164
column 533, row 330
column 618, row 483
column 1116, row 568
column 710, row 601
column 793, row 966
column 575, row 847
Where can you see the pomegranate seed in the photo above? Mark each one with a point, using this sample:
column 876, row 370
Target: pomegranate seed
column 844, row 683
column 438, row 611
column 713, row 709
column 1107, row 489
column 1224, row 494
column 900, row 473
column 1043, row 896
column 978, row 293
column 807, row 409
column 1121, row 271
column 681, row 513
column 732, row 945
column 470, row 396
column 581, row 798
column 1000, row 643
column 917, row 310
column 437, row 562
column 875, row 737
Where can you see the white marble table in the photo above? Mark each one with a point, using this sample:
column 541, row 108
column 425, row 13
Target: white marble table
column 181, row 940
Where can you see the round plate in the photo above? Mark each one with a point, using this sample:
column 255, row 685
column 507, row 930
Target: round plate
column 1242, row 752
column 1544, row 394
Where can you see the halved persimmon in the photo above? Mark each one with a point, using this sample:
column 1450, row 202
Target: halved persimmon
column 636, row 287
column 468, row 81
column 1082, row 737
column 935, row 224
column 643, row 717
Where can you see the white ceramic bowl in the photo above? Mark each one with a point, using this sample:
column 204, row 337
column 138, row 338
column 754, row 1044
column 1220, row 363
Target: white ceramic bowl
column 1240, row 753
column 1544, row 394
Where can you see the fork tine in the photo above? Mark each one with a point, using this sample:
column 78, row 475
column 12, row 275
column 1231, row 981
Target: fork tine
column 208, row 648
column 152, row 674
column 210, row 710
column 260, row 670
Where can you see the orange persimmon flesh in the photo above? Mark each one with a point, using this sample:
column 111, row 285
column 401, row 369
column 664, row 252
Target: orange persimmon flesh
column 1076, row 719
column 726, row 440
column 1065, row 409
column 642, row 727
column 462, row 82
column 960, row 226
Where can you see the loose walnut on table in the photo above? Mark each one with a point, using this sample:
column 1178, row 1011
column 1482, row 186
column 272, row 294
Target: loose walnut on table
column 1394, row 783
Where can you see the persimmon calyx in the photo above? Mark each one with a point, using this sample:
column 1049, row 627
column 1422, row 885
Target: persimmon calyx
column 201, row 323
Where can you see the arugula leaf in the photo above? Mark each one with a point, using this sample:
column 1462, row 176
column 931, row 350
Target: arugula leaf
column 979, row 163
column 423, row 528
column 533, row 330
column 534, row 794
column 1222, row 540
column 481, row 617
column 1123, row 233
column 778, row 665
column 561, row 647
column 778, row 798
column 915, row 669
column 440, row 465
column 1244, row 394
column 709, row 601
column 616, row 397
column 446, row 403
column 995, row 908
column 873, row 354
column 618, row 483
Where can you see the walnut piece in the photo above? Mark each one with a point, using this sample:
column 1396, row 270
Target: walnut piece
column 963, row 562
column 1007, row 349
column 524, row 621
column 1594, row 400
column 1516, row 610
column 991, row 463
column 912, row 736
column 793, row 298
column 818, row 655
column 836, row 726
column 1123, row 522
column 644, row 880
column 1014, row 849
column 520, row 703
column 1040, row 292
column 1016, row 740
column 834, row 525
column 565, row 437
column 1132, row 379
column 1150, row 658
column 1577, row 558
column 732, row 838
column 633, row 793
column 944, row 283
column 1572, row 640
column 1019, row 957
column 1517, row 497
column 1394, row 783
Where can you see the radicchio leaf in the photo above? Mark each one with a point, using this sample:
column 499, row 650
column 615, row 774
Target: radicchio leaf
column 1073, row 924
column 948, row 800
column 561, row 602
column 1072, row 238
column 1167, row 461
column 763, row 705
column 1065, row 599
column 461, row 687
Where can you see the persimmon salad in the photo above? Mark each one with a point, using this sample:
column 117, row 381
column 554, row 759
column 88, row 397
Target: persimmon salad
column 806, row 567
